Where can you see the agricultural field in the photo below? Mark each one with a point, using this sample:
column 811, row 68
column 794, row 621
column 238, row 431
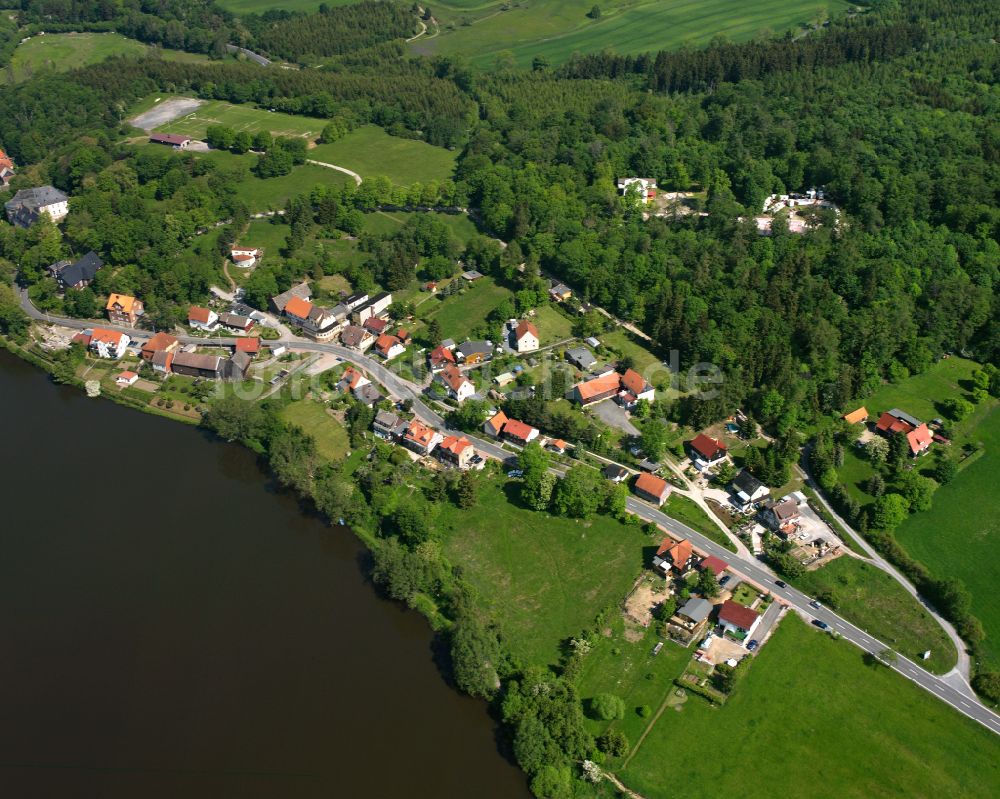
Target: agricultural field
column 868, row 597
column 556, row 29
column 960, row 535
column 523, row 563
column 812, row 719
column 242, row 117
column 331, row 437
column 60, row 52
column 371, row 152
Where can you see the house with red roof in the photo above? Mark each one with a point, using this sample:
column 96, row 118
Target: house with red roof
column 652, row 488
column 519, row 432
column 494, row 425
column 524, row 337
column 634, row 389
column 389, row 347
column 175, row 140
column 459, row 387
column 126, row 379
column 160, row 342
column 918, row 436
column 107, row 343
column 717, row 565
column 420, row 438
column 202, row 318
column 351, row 380
column 738, row 620
column 456, row 451
column 706, row 451
column 245, row 258
column 674, row 556
column 6, row 169
column 440, row 357
column 251, row 346
column 598, row 389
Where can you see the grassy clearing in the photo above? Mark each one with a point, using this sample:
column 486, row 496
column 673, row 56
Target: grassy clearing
column 59, row 52
column 685, row 510
column 643, row 361
column 556, row 29
column 960, row 535
column 552, row 325
column 266, row 235
column 811, row 719
column 922, row 395
column 871, row 599
column 370, row 152
column 311, row 416
column 242, row 117
column 543, row 578
column 460, row 313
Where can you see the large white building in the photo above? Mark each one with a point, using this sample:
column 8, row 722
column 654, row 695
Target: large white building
column 25, row 207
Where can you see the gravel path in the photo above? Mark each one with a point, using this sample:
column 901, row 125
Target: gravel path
column 165, row 112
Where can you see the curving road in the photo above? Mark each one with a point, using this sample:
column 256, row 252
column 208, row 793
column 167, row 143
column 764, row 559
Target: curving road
column 749, row 569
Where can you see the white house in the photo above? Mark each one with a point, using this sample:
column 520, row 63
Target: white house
column 389, row 347
column 25, row 207
column 525, row 337
column 108, row 343
column 245, row 257
column 738, row 620
column 126, row 379
column 459, row 387
column 644, row 188
column 202, row 318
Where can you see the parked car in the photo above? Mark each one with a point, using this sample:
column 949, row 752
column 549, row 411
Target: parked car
column 724, row 580
column 515, row 473
column 815, row 604
column 821, row 624
column 753, row 645
column 781, row 584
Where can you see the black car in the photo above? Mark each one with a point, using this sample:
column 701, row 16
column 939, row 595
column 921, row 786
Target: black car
column 821, row 624
column 724, row 580
column 752, row 645
column 781, row 584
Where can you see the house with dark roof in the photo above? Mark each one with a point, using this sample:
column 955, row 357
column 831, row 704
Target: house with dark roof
column 367, row 395
column 237, row 366
column 473, row 352
column 580, row 357
column 375, row 306
column 195, row 364
column 356, row 337
column 77, row 275
column 614, row 472
column 747, row 489
column 388, row 425
column 28, row 205
column 242, row 324
column 302, row 291
column 694, row 611
column 781, row 516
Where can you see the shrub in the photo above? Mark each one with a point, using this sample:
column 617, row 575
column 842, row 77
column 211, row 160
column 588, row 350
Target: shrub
column 607, row 707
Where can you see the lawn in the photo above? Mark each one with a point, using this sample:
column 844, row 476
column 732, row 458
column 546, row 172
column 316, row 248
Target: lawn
column 812, row 719
column 266, row 235
column 643, row 361
column 542, row 578
column 552, row 325
column 311, row 416
column 960, row 535
column 370, row 151
column 556, row 29
column 686, row 511
column 460, row 313
column 242, row 117
column 64, row 51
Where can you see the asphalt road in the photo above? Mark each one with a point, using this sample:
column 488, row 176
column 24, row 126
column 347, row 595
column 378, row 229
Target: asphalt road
column 751, row 570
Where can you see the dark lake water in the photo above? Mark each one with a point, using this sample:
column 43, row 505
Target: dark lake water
column 170, row 627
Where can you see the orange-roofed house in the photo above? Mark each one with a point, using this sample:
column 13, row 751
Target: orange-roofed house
column 202, row 318
column 389, row 347
column 160, row 342
column 494, row 425
column 440, row 357
column 919, row 440
column 108, row 343
column 556, row 445
column 6, row 169
column 126, row 379
column 352, row 379
column 676, row 556
column 420, row 438
column 124, row 310
column 857, row 417
column 456, row 451
column 519, row 432
column 246, row 257
column 525, row 337
column 600, row 388
column 652, row 488
column 297, row 310
column 706, row 451
column 634, row 389
column 459, row 387
column 250, row 345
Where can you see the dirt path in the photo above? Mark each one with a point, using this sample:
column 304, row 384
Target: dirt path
column 423, row 30
column 344, row 169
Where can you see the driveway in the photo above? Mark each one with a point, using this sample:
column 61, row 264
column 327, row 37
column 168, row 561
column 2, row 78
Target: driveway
column 614, row 415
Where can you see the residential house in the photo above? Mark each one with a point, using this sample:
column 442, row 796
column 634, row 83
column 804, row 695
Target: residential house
column 560, row 292
column 494, row 425
column 79, row 274
column 107, row 343
column 504, row 379
column 159, row 342
column 747, row 489
column 420, row 438
column 634, row 389
column 375, row 326
column 237, row 366
column 162, row 361
column 580, row 357
column 388, row 425
column 174, row 140
column 203, row 318
column 126, row 379
column 404, row 335
column 6, row 170
column 351, row 380
column 124, row 310
column 674, row 556
column 717, row 565
column 650, row 466
column 738, row 620
column 519, row 432
column 856, row 417
column 556, row 445
column 356, row 300
column 376, row 306
column 317, row 323
column 597, row 389
column 25, row 207
column 251, row 346
column 235, row 322
column 473, row 352
column 368, row 395
column 389, row 347
column 781, row 516
column 694, row 611
column 456, row 451
column 524, row 337
column 356, row 338
column 706, row 451
column 615, row 473
column 643, row 188
column 652, row 488
column 459, row 387
column 194, row 364
column 918, row 436
column 245, row 258
column 919, row 440
column 302, row 291
column 440, row 357
column 472, row 275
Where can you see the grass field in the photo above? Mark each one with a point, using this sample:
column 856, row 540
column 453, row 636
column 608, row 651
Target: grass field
column 242, row 117
column 960, row 535
column 685, row 510
column 543, row 578
column 460, row 313
column 811, row 719
column 61, row 52
column 871, row 599
column 371, row 152
column 552, row 325
column 330, row 435
column 556, row 29
column 644, row 361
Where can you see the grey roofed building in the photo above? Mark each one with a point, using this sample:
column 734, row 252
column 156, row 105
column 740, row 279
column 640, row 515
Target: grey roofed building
column 472, row 274
column 81, row 273
column 236, row 367
column 235, row 321
column 367, row 394
column 580, row 357
column 197, row 365
column 352, row 336
column 747, row 487
column 615, row 472
column 448, row 344
column 302, row 291
column 24, row 207
column 696, row 610
column 650, row 466
column 898, row 414
column 472, row 348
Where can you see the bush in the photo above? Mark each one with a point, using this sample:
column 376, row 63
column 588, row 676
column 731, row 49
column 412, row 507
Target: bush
column 614, row 743
column 987, row 685
column 644, row 711
column 607, row 707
